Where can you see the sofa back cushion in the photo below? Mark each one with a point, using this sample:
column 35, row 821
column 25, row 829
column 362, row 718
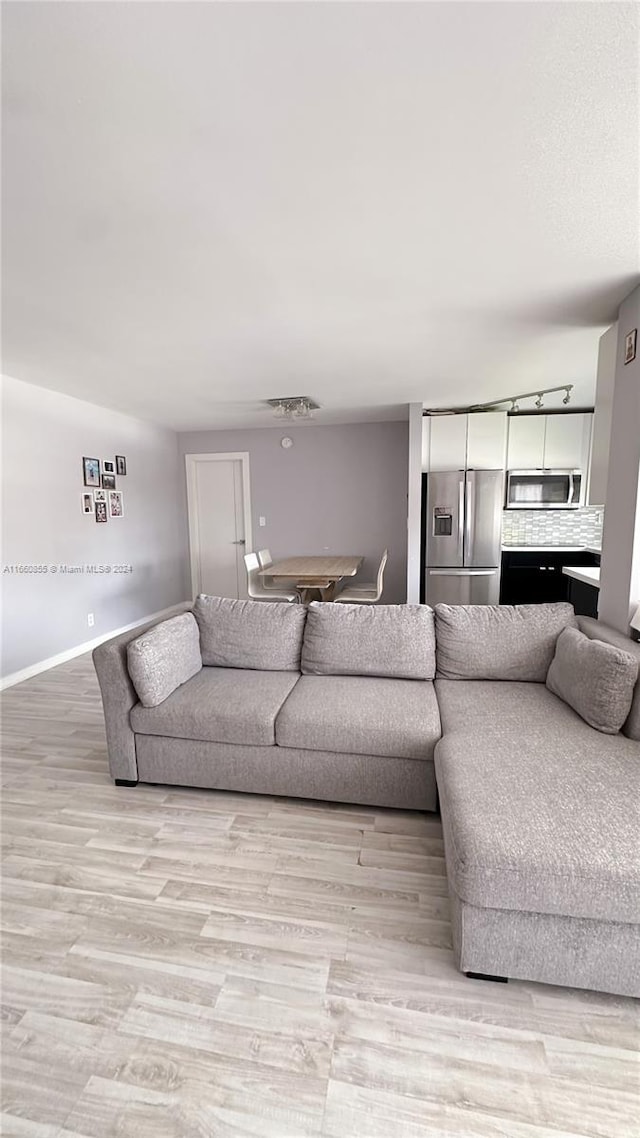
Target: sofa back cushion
column 499, row 642
column 397, row 641
column 595, row 679
column 250, row 634
column 596, row 630
column 163, row 658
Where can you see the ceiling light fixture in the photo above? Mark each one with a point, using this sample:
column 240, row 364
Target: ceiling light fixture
column 290, row 407
column 539, row 402
column 567, row 398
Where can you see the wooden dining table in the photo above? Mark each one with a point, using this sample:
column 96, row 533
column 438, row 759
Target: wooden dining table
column 314, row 574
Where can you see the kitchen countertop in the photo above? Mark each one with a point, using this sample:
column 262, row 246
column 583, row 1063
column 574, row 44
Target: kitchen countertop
column 583, row 573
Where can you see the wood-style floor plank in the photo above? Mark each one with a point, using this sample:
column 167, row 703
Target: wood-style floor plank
column 182, row 963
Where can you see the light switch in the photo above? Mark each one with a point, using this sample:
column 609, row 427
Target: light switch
column 262, row 521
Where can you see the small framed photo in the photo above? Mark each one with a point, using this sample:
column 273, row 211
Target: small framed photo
column 99, row 495
column 121, row 464
column 108, row 481
column 101, row 511
column 116, row 506
column 108, row 466
column 91, row 471
column 87, row 503
column 630, row 344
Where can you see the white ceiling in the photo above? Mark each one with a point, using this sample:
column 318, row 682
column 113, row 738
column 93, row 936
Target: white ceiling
column 206, row 205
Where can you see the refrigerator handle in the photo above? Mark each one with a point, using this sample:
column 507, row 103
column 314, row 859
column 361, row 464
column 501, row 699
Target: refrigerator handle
column 461, row 486
column 462, row 572
column 469, row 517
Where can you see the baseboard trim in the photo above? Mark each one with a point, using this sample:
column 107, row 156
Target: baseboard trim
column 79, row 650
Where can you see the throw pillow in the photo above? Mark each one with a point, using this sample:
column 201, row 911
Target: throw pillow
column 163, row 658
column 594, row 678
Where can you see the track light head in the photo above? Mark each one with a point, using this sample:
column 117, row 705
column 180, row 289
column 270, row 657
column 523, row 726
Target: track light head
column 567, row 398
column 539, row 402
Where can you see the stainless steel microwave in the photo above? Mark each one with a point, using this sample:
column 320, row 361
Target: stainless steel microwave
column 543, row 489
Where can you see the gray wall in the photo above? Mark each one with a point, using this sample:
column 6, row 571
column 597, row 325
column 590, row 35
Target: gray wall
column 45, row 436
column 339, row 489
column 620, row 572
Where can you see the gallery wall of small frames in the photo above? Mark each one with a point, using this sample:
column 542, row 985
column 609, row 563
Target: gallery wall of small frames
column 101, row 498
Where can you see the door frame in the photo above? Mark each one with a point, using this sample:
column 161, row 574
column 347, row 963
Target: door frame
column 191, row 461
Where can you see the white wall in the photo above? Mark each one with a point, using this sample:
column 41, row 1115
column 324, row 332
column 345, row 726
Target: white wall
column 414, row 512
column 620, row 572
column 601, row 434
column 45, row 436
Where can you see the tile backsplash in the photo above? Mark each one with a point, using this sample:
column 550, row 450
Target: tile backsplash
column 553, row 527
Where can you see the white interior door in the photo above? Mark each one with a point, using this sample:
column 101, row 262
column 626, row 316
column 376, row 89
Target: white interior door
column 219, row 522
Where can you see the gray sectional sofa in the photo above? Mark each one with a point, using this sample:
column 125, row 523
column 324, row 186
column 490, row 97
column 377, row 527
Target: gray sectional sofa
column 373, row 704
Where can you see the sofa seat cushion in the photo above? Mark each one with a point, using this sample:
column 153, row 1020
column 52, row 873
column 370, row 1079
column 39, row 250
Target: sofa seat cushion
column 361, row 715
column 467, row 705
column 542, row 814
column 499, row 642
column 220, row 705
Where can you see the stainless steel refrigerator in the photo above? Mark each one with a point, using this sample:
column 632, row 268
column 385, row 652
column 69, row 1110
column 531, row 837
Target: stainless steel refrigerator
column 462, row 526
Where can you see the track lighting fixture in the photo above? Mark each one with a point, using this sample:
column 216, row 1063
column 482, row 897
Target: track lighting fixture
column 496, row 404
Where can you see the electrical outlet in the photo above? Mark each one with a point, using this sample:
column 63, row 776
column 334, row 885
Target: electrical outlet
column 90, row 620
column 262, row 521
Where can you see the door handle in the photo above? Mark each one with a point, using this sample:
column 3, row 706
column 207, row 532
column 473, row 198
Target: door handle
column 241, row 542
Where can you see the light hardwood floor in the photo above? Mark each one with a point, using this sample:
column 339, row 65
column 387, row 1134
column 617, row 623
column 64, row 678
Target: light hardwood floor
column 182, row 963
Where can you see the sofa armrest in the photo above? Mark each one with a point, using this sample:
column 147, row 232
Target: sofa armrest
column 119, row 695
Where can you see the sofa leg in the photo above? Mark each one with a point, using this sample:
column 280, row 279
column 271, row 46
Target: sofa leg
column 126, row 782
column 483, row 976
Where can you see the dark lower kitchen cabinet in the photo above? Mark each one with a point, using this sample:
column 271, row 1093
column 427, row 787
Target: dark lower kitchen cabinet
column 583, row 597
column 535, row 576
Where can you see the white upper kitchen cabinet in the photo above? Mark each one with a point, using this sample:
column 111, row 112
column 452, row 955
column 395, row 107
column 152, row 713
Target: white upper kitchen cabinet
column 552, row 442
column 487, row 440
column 447, row 448
column 525, row 448
column 566, row 443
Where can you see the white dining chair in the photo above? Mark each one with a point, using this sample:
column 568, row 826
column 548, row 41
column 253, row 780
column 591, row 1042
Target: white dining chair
column 255, row 588
column 271, row 583
column 367, row 593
